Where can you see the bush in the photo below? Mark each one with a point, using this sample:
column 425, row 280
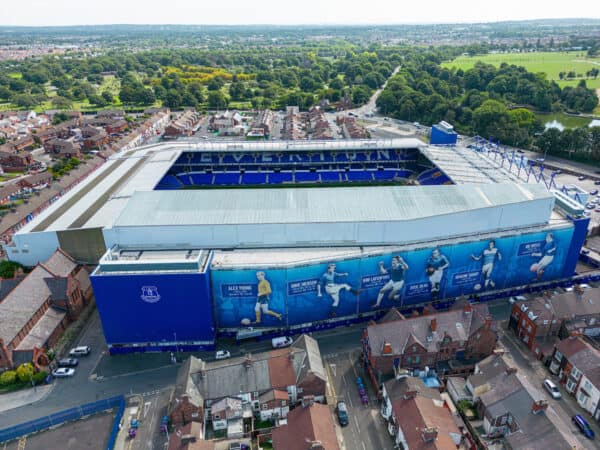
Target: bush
column 7, row 378
column 25, row 372
column 39, row 377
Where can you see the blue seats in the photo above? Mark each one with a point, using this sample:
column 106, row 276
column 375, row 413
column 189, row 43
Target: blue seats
column 170, row 182
column 226, row 179
column 235, row 158
column 280, row 177
column 254, row 178
column 201, row 179
column 306, row 177
column 341, row 157
column 359, row 175
column 330, row 177
column 384, row 174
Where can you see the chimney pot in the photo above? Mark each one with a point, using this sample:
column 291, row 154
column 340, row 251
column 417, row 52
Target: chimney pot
column 387, row 348
column 468, row 309
column 433, row 324
column 511, row 370
column 429, row 434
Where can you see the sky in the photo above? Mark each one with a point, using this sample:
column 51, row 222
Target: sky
column 239, row 12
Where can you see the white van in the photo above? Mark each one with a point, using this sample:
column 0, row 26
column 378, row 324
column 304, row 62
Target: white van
column 280, row 342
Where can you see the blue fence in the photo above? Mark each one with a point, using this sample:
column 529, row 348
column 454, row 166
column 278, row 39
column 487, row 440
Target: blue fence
column 68, row 415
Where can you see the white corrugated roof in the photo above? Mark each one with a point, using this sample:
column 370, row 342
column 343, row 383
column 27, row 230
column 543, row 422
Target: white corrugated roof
column 317, row 205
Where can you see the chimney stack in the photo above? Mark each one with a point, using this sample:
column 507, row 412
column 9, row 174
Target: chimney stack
column 539, row 406
column 410, row 394
column 387, row 348
column 488, row 322
column 248, row 361
column 433, row 325
column 429, row 434
column 511, row 370
column 468, row 309
column 307, row 400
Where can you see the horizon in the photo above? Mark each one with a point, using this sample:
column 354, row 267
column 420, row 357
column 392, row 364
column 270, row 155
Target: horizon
column 65, row 13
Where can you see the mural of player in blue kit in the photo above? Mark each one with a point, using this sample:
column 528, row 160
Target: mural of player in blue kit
column 396, row 283
column 489, row 256
column 329, row 282
column 547, row 256
column 436, row 264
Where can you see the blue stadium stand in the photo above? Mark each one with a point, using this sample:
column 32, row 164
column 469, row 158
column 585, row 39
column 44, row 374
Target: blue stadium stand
column 254, row 178
column 306, row 177
column 280, row 177
column 330, row 177
column 227, row 179
column 359, row 175
column 202, row 179
column 238, row 159
column 169, row 182
column 341, row 157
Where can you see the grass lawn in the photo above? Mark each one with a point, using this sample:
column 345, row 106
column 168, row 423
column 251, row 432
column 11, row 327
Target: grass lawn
column 551, row 63
column 17, row 75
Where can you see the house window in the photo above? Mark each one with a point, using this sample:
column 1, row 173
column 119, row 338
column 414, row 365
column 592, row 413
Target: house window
column 264, row 406
column 587, row 386
column 523, row 323
column 414, row 349
column 283, row 403
column 417, row 359
column 526, row 338
column 529, row 328
column 583, row 398
column 558, row 355
column 570, row 386
column 408, row 360
column 217, row 417
column 575, row 373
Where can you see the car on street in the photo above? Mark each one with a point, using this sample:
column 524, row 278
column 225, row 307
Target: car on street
column 582, row 424
column 67, row 362
column 520, row 151
column 552, row 388
column 540, row 160
column 82, row 350
column 590, row 206
column 63, row 372
column 594, row 192
column 280, row 342
column 342, row 413
column 581, row 177
column 222, row 354
column 597, row 182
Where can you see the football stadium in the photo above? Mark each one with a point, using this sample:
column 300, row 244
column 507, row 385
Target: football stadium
column 256, row 239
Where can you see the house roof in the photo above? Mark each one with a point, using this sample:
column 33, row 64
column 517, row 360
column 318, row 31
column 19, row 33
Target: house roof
column 570, row 346
column 273, row 394
column 305, row 425
column 58, row 288
column 563, row 306
column 184, row 384
column 40, row 177
column 587, row 361
column 8, row 284
column 228, row 404
column 22, row 302
column 457, row 324
column 60, row 263
column 419, row 413
column 83, row 277
column 487, row 369
column 396, row 389
column 392, row 315
column 282, row 372
column 311, row 363
column 194, row 429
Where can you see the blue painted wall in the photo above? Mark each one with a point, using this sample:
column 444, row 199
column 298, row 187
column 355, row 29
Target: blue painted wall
column 579, row 236
column 441, row 137
column 295, row 294
column 155, row 308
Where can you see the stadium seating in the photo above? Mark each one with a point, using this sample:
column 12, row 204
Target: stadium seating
column 238, row 159
column 359, row 175
column 280, row 177
column 330, row 177
column 306, row 177
column 253, row 178
column 226, row 179
column 202, row 178
column 170, row 182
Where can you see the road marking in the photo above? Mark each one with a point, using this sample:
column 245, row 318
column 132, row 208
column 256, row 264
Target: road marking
column 333, row 369
column 356, row 422
column 350, row 401
column 363, row 444
column 146, row 408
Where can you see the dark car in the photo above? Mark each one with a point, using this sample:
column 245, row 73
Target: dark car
column 583, row 426
column 594, row 192
column 342, row 413
column 67, row 362
column 581, row 177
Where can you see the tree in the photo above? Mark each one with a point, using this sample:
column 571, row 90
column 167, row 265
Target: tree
column 172, row 99
column 216, row 84
column 98, row 100
column 7, row 378
column 25, row 372
column 8, row 268
column 59, row 102
column 108, row 97
column 26, row 101
column 217, row 100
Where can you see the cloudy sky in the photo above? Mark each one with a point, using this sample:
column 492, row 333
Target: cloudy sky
column 234, row 12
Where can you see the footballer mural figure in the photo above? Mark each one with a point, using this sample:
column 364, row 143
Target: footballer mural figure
column 262, row 300
column 436, row 264
column 396, row 283
column 547, row 256
column 489, row 256
column 330, row 283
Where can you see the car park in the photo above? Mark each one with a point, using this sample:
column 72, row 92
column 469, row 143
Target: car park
column 67, row 362
column 82, row 350
column 280, row 342
column 342, row 413
column 552, row 389
column 63, row 372
column 222, row 354
column 582, row 424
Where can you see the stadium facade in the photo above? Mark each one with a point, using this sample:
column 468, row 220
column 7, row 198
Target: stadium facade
column 263, row 238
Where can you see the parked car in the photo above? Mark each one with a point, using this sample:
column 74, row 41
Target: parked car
column 597, row 182
column 594, row 192
column 581, row 177
column 540, row 160
column 520, row 151
column 67, row 362
column 222, row 354
column 63, row 372
column 342, row 413
column 82, row 350
column 583, row 426
column 552, row 388
column 280, row 342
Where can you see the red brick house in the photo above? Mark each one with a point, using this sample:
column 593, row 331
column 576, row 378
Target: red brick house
column 8, row 192
column 63, row 148
column 38, row 308
column 116, row 126
column 12, row 162
column 36, row 181
column 445, row 341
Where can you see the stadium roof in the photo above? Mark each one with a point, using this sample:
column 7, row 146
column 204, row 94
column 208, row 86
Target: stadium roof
column 318, row 205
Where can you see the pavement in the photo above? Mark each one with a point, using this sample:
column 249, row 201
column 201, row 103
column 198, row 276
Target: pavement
column 24, row 397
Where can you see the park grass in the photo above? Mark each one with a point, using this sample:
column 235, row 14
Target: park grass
column 17, row 75
column 550, row 63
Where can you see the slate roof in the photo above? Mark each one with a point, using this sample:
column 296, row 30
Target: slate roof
column 487, row 369
column 396, row 389
column 60, row 263
column 58, row 288
column 587, row 361
column 305, row 425
column 401, row 333
column 8, row 284
column 184, row 384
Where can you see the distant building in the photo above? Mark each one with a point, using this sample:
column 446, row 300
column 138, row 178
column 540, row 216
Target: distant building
column 184, row 125
column 226, row 120
column 63, row 148
column 443, row 134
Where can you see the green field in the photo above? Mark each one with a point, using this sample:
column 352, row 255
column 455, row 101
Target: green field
column 551, row 63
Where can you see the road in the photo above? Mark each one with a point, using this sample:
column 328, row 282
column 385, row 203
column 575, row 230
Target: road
column 371, row 105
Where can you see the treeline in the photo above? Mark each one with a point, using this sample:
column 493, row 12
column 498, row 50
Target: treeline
column 483, row 100
column 577, row 143
column 272, row 77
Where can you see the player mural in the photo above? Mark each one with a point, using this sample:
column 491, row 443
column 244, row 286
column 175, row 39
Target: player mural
column 262, row 300
column 489, row 256
column 394, row 286
column 312, row 292
column 547, row 256
column 437, row 263
column 329, row 283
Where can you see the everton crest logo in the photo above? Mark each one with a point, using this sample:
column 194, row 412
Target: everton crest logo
column 150, row 294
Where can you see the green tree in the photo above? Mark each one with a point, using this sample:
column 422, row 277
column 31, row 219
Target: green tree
column 217, row 100
column 8, row 268
column 59, row 102
column 25, row 372
column 7, row 378
column 108, row 97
